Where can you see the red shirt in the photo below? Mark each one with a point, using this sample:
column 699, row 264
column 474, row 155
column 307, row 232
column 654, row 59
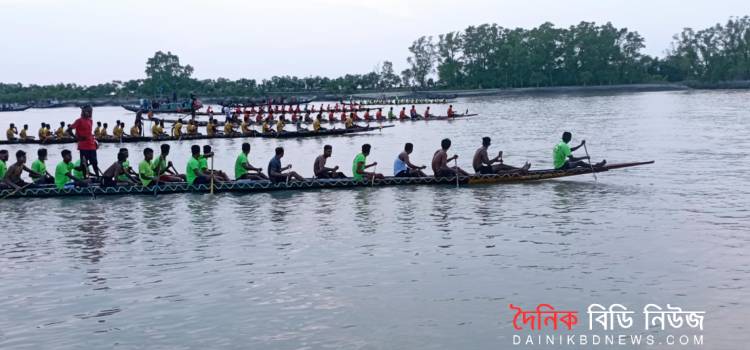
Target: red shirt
column 83, row 128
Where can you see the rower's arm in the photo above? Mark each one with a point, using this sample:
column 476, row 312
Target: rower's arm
column 408, row 163
column 31, row 172
column 371, row 165
column 249, row 167
column 361, row 168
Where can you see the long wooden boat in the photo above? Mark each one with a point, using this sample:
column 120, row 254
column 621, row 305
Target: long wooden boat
column 249, row 102
column 255, row 134
column 180, row 108
column 203, row 123
column 396, row 101
column 14, row 109
column 250, row 186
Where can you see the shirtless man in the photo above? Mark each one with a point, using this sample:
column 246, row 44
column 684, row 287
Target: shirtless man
column 483, row 165
column 440, row 162
column 13, row 176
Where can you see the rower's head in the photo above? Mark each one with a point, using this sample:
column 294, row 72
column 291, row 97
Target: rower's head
column 408, row 148
column 20, row 157
column 327, row 150
column 86, row 111
column 486, row 141
column 25, row 126
column 567, row 136
column 66, row 156
column 99, row 124
column 279, row 152
column 4, row 155
column 121, row 157
column 124, row 151
column 105, row 125
column 445, row 144
column 62, row 124
column 117, row 122
column 207, row 151
column 195, row 150
column 12, row 125
column 161, row 123
column 450, row 106
column 366, row 149
column 245, row 148
column 42, row 154
column 164, row 149
column 148, row 154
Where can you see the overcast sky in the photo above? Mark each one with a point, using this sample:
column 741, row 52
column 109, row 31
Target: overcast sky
column 88, row 42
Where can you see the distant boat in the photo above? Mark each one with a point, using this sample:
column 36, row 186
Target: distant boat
column 166, row 107
column 13, row 108
column 249, row 102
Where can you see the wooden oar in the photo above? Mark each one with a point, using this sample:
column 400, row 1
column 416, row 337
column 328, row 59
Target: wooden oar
column 591, row 165
column 455, row 163
column 212, row 174
column 18, row 190
column 375, row 171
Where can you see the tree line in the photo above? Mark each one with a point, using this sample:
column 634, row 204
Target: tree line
column 484, row 56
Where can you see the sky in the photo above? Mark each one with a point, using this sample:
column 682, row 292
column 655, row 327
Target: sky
column 91, row 42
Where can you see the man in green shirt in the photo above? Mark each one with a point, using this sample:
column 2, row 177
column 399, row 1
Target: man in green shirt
column 39, row 167
column 359, row 165
column 163, row 169
column 218, row 174
column 242, row 167
column 563, row 158
column 63, row 172
column 3, row 165
column 145, row 171
column 193, row 172
column 126, row 167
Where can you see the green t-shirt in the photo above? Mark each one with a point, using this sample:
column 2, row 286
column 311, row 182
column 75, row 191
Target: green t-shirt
column 125, row 167
column 39, row 167
column 203, row 163
column 159, row 163
column 560, row 154
column 239, row 165
column 192, row 165
column 3, row 169
column 61, row 174
column 360, row 158
column 76, row 173
column 144, row 169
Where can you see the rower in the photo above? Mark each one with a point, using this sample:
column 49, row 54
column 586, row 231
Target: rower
column 316, row 124
column 40, row 168
column 349, row 121
column 366, row 116
column 562, row 155
column 266, row 128
column 193, row 173
column 208, row 153
column 276, row 172
column 116, row 172
column 3, row 165
column 242, row 167
column 60, row 132
column 402, row 114
column 319, row 167
column 359, row 166
column 229, row 128
column 245, row 128
column 12, row 176
column 117, row 132
column 413, row 113
column 450, row 111
column 192, row 128
column 391, row 115
column 177, row 129
column 343, row 116
column 211, row 128
column 440, row 162
column 379, row 114
column 403, row 167
column 42, row 132
column 164, row 168
column 280, row 124
column 427, row 113
column 63, row 173
column 126, row 166
column 145, row 171
column 98, row 130
column 331, row 117
column 12, row 132
column 483, row 165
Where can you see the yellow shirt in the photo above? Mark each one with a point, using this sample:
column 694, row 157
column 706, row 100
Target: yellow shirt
column 104, row 132
column 228, row 128
column 11, row 133
column 117, row 131
column 280, row 126
column 134, row 131
column 60, row 132
column 266, row 128
column 192, row 129
column 23, row 134
column 210, row 131
column 177, row 129
column 245, row 127
column 349, row 122
column 156, row 130
column 42, row 133
column 316, row 125
column 98, row 132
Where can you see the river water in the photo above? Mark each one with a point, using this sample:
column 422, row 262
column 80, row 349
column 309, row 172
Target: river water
column 405, row 267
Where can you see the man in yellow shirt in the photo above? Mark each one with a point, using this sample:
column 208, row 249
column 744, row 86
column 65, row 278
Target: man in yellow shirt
column 280, row 124
column 135, row 131
column 177, row 129
column 24, row 134
column 12, row 132
column 60, row 132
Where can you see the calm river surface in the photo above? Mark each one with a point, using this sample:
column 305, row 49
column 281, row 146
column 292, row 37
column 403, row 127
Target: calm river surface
column 398, row 268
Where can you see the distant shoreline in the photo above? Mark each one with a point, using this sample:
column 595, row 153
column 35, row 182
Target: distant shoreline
column 449, row 94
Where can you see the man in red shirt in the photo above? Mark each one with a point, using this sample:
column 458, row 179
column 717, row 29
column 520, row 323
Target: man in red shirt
column 86, row 144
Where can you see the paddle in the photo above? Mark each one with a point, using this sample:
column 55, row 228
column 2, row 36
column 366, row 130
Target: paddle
column 455, row 163
column 591, row 165
column 18, row 190
column 375, row 171
column 212, row 174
